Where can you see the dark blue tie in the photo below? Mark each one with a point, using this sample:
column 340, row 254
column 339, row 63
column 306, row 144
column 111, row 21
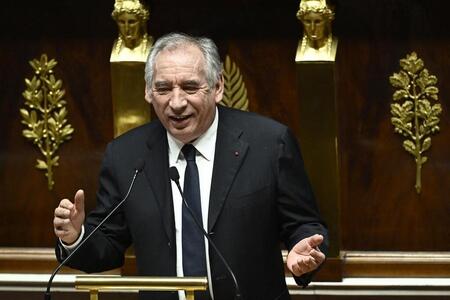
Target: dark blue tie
column 194, row 260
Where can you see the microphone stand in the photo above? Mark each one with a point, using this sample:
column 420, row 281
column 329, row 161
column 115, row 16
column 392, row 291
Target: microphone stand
column 139, row 167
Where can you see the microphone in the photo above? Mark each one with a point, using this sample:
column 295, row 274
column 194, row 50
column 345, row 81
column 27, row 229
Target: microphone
column 175, row 176
column 139, row 166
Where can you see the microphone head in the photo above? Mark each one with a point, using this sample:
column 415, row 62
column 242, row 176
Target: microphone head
column 173, row 174
column 139, row 165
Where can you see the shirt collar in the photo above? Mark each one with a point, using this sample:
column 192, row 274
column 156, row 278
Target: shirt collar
column 205, row 144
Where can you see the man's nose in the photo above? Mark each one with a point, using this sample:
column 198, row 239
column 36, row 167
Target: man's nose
column 178, row 100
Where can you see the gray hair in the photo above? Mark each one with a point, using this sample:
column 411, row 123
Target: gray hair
column 171, row 41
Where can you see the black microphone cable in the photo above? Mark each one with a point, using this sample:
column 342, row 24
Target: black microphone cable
column 138, row 168
column 175, row 176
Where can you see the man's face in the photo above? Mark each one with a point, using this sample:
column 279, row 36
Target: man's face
column 129, row 29
column 180, row 94
column 315, row 26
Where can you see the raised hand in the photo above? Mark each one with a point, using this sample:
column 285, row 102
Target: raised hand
column 69, row 217
column 305, row 256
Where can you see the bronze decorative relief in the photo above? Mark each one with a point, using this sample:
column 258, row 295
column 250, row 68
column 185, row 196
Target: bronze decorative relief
column 413, row 114
column 45, row 115
column 235, row 93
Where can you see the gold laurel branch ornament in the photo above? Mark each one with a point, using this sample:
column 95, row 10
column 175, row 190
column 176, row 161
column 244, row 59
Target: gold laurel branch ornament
column 235, row 93
column 45, row 115
column 413, row 116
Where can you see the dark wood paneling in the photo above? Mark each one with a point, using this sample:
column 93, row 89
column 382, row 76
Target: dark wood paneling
column 380, row 209
column 77, row 36
column 27, row 205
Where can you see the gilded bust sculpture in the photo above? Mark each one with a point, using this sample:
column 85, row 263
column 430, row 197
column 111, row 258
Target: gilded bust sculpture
column 317, row 42
column 133, row 43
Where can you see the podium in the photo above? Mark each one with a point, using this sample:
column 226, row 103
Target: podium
column 96, row 283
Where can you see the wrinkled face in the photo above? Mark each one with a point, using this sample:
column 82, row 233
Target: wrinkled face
column 129, row 29
column 180, row 94
column 315, row 26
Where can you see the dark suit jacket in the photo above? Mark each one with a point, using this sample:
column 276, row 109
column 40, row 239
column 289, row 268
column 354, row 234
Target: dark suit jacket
column 260, row 196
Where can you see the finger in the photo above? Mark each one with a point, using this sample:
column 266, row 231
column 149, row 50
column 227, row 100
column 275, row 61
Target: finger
column 307, row 264
column 295, row 269
column 61, row 233
column 66, row 203
column 303, row 265
column 79, row 200
column 315, row 240
column 62, row 212
column 318, row 256
column 61, row 222
column 59, row 227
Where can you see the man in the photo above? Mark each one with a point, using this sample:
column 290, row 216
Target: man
column 253, row 190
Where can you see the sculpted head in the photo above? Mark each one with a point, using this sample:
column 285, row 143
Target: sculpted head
column 131, row 17
column 316, row 18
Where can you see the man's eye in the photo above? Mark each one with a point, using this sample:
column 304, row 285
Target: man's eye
column 191, row 89
column 162, row 91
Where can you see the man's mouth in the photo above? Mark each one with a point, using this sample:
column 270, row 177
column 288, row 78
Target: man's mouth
column 180, row 120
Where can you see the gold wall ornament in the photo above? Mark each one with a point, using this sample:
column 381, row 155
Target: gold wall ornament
column 45, row 118
column 413, row 116
column 133, row 43
column 317, row 43
column 235, row 93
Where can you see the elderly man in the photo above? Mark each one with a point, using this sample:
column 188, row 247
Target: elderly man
column 243, row 177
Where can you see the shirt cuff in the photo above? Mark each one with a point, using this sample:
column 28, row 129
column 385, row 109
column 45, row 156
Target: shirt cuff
column 72, row 246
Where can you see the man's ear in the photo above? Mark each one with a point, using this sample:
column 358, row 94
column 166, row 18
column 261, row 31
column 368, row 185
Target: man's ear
column 219, row 89
column 148, row 95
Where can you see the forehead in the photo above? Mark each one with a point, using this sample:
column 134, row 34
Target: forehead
column 127, row 16
column 182, row 60
column 313, row 16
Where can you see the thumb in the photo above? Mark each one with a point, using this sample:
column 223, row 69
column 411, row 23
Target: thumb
column 79, row 201
column 315, row 240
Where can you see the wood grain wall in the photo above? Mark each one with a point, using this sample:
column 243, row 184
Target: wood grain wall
column 380, row 210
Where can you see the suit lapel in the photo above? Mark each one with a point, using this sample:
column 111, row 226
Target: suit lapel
column 156, row 171
column 229, row 155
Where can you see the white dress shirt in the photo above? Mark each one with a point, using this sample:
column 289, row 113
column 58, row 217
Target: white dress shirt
column 206, row 146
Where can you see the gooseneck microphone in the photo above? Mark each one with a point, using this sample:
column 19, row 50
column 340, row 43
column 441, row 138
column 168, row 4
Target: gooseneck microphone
column 139, row 166
column 175, row 176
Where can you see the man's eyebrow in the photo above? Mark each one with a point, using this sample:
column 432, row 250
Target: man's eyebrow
column 191, row 82
column 162, row 83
